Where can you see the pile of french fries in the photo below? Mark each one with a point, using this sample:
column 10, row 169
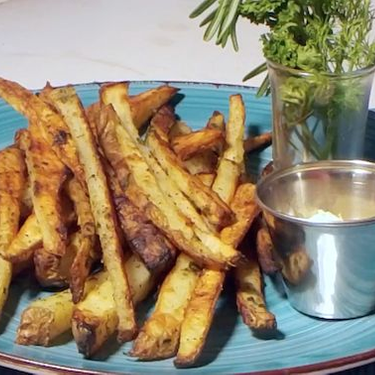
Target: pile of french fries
column 110, row 202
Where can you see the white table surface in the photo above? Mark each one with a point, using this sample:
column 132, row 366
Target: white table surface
column 75, row 41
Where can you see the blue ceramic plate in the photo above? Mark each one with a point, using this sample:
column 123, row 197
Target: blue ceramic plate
column 301, row 343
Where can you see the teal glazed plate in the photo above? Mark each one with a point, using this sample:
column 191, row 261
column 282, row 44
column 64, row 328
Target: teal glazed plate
column 300, row 344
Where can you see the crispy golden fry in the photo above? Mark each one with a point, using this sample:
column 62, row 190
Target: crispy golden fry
column 12, row 184
column 160, row 211
column 204, row 199
column 246, row 209
column 26, row 241
column 95, row 319
column 198, row 317
column 47, row 174
column 186, row 146
column 250, row 298
column 69, row 105
column 54, row 128
column 207, row 178
column 47, row 318
column 231, row 164
column 258, row 142
column 144, row 105
column 159, row 336
column 264, row 248
column 85, row 254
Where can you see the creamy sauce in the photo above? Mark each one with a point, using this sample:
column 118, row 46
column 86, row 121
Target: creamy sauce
column 322, row 216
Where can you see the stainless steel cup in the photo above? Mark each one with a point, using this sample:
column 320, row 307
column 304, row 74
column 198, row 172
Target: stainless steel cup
column 328, row 268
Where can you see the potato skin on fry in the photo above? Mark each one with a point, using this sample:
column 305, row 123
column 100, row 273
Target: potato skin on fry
column 95, row 319
column 159, row 336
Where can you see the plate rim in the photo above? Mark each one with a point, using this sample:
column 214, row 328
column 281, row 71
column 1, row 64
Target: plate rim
column 27, row 364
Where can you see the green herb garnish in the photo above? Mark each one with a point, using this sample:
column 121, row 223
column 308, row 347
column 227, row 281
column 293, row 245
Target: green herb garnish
column 321, row 37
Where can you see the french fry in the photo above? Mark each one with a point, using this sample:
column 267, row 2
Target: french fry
column 26, row 201
column 264, row 247
column 25, row 242
column 92, row 115
column 161, row 212
column 47, row 174
column 85, row 255
column 144, row 105
column 12, row 183
column 47, row 318
column 69, row 105
column 186, row 146
column 95, row 320
column 257, row 142
column 250, row 297
column 52, row 125
column 231, row 163
column 159, row 336
column 179, row 128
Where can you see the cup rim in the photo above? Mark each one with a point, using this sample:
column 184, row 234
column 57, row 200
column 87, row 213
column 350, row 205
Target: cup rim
column 315, row 165
column 303, row 73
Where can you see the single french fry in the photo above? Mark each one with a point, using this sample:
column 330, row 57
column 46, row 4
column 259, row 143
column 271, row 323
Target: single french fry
column 231, row 163
column 95, row 320
column 264, row 247
column 186, row 146
column 52, row 125
column 67, row 102
column 250, row 297
column 207, row 178
column 85, row 255
column 216, row 121
column 159, row 336
column 260, row 141
column 144, row 105
column 47, row 174
column 12, row 184
column 47, row 318
column 206, row 162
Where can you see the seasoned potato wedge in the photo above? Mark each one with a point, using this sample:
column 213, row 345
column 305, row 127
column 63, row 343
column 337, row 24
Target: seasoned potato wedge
column 52, row 125
column 159, row 336
column 264, row 248
column 47, row 318
column 95, row 319
column 216, row 121
column 69, row 105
